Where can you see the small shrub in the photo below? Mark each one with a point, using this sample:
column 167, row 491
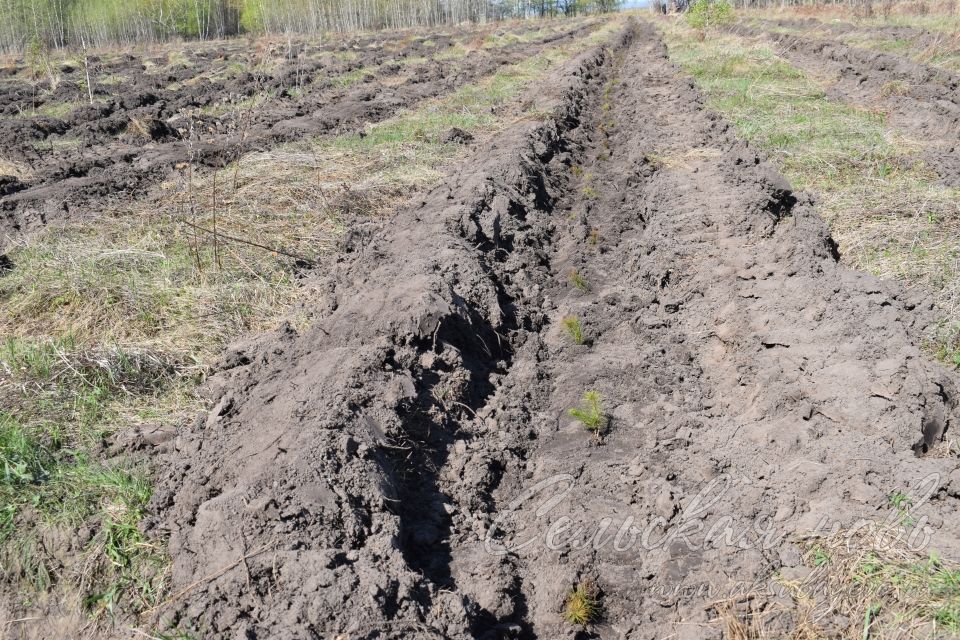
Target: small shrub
column 578, row 280
column 582, row 606
column 705, row 14
column 574, row 328
column 900, row 500
column 590, row 413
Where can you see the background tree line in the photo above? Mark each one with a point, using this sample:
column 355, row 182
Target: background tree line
column 82, row 23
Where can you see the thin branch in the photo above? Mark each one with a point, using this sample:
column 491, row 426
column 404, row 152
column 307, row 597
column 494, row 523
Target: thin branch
column 213, row 576
column 224, row 236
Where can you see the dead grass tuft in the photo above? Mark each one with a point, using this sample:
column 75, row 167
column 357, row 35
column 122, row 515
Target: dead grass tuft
column 18, row 170
column 872, row 577
column 683, row 160
column 895, row 88
column 865, row 581
column 135, row 282
column 738, row 619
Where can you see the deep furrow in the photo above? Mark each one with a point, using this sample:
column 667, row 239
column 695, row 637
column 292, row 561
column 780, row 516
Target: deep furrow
column 742, row 390
column 372, row 466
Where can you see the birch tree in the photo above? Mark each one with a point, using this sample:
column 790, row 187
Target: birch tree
column 97, row 23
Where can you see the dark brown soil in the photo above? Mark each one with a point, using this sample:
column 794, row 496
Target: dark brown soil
column 921, row 100
column 379, row 475
column 153, row 119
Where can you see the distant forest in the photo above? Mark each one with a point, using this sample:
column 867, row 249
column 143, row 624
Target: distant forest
column 46, row 24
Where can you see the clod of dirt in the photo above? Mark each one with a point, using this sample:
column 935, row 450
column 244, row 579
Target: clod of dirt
column 149, row 129
column 10, row 184
column 455, row 135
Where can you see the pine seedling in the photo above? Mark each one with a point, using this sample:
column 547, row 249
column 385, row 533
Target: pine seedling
column 578, row 280
column 582, row 606
column 574, row 328
column 590, row 413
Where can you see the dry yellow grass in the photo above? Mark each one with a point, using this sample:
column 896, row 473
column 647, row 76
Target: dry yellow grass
column 16, row 169
column 866, row 581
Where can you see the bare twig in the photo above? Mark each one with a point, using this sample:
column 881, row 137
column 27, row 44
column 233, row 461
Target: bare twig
column 251, row 243
column 216, row 246
column 213, row 576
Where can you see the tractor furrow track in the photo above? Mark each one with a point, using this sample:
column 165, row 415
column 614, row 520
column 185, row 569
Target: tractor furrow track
column 400, row 468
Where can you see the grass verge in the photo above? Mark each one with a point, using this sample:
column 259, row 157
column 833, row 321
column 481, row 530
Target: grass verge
column 885, row 208
column 939, row 47
column 57, row 493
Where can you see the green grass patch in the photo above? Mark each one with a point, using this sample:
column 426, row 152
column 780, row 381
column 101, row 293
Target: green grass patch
column 107, row 328
column 872, row 577
column 351, row 78
column 52, row 110
column 818, row 144
column 73, row 389
column 56, row 494
column 44, row 484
